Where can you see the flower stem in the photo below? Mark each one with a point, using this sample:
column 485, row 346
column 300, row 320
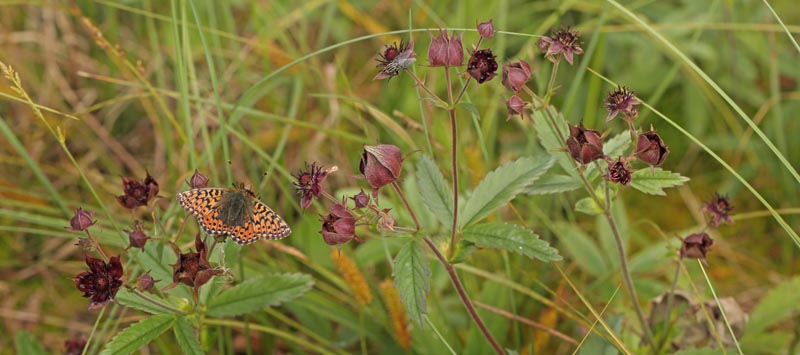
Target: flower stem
column 454, row 159
column 408, row 207
column 149, row 299
column 626, row 273
column 670, row 297
column 451, row 272
column 422, row 85
column 96, row 245
column 549, row 93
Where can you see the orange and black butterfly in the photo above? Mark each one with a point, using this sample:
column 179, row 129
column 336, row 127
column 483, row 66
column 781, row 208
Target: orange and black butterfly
column 234, row 211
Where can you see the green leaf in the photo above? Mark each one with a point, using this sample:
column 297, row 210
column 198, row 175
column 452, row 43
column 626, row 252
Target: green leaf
column 259, row 292
column 469, row 107
column 186, row 338
column 778, row 304
column 129, row 299
column 589, row 206
column 434, row 190
column 501, row 186
column 25, row 343
column 551, row 140
column 617, row 145
column 654, row 183
column 462, row 252
column 554, row 183
column 510, row 237
column 412, row 278
column 583, row 250
column 137, row 335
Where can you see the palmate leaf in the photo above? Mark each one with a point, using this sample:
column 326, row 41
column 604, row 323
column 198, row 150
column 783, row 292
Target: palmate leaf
column 186, row 338
column 137, row 335
column 502, row 185
column 259, row 292
column 510, row 237
column 128, row 299
column 654, row 182
column 412, row 278
column 434, row 190
column 553, row 184
column 778, row 304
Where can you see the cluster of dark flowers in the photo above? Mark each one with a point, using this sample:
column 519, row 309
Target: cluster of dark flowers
column 105, row 276
column 380, row 165
column 697, row 245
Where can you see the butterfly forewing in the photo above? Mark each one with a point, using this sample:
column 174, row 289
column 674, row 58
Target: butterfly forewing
column 268, row 224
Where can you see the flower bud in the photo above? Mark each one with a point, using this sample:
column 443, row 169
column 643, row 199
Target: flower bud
column 446, row 51
column 339, row 226
column 361, row 199
column 486, row 29
column 515, row 106
column 696, row 246
column 198, row 180
column 136, row 237
column 621, row 100
column 380, row 165
column 651, row 149
column 516, row 74
column 585, row 145
column 718, row 208
column 146, row 281
column 81, row 220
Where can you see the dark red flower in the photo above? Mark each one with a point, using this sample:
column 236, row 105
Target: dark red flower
column 621, row 100
column 137, row 193
column 619, row 172
column 585, row 145
column 446, row 51
column 696, row 246
column 385, row 220
column 651, row 149
column 146, row 281
column 193, row 268
column 516, row 74
column 308, row 183
column 486, row 29
column 136, row 237
column 81, row 220
column 482, row 66
column 718, row 209
column 74, row 346
column 339, row 226
column 198, row 180
column 101, row 283
column 515, row 106
column 564, row 41
column 394, row 59
column 361, row 199
column 380, row 165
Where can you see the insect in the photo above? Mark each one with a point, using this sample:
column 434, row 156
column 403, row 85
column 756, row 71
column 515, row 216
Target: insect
column 234, row 211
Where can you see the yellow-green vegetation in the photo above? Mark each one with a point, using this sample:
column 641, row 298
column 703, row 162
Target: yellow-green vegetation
column 588, row 176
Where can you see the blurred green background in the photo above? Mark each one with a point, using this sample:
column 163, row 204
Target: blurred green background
column 241, row 88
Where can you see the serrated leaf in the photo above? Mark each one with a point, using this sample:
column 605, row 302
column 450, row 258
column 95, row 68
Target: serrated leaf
column 510, row 237
column 550, row 139
column 187, row 340
column 778, row 304
column 259, row 292
column 25, row 343
column 412, row 278
column 554, row 183
column 655, row 182
column 434, row 190
column 583, row 250
column 589, row 206
column 502, row 185
column 129, row 299
column 137, row 335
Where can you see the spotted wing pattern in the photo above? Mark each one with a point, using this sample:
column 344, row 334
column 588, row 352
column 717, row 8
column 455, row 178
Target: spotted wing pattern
column 203, row 204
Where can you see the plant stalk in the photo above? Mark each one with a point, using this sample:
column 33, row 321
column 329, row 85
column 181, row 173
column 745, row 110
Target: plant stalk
column 451, row 271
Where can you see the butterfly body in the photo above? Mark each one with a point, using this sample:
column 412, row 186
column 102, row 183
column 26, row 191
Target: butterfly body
column 234, row 211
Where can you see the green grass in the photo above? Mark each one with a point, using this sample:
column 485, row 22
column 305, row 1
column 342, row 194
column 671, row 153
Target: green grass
column 248, row 91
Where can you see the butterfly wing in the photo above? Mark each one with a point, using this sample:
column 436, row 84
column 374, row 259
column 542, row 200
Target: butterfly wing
column 268, row 224
column 203, row 204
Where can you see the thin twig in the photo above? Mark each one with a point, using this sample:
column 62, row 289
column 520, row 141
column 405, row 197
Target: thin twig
column 451, row 271
column 528, row 322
